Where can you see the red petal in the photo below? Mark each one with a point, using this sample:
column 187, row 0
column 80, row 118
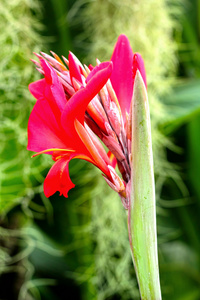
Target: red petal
column 74, row 67
column 54, row 91
column 91, row 67
column 113, row 160
column 122, row 77
column 58, row 178
column 76, row 106
column 138, row 64
column 98, row 145
column 43, row 129
column 37, row 88
column 96, row 69
column 97, row 113
column 93, row 149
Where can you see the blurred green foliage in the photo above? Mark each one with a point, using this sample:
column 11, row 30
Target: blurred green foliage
column 19, row 38
column 78, row 247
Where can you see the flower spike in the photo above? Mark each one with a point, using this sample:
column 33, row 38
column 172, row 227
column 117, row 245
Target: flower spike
column 80, row 107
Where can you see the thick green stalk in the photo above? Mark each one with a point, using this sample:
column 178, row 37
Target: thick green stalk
column 142, row 209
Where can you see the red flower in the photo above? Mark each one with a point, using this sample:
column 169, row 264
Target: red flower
column 77, row 104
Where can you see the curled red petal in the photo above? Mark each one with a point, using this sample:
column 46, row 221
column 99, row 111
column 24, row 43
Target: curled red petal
column 76, row 106
column 58, row 178
column 96, row 69
column 122, row 77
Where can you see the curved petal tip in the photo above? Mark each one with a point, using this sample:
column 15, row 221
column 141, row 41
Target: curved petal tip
column 138, row 64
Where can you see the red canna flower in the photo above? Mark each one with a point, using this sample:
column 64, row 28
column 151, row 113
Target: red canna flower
column 77, row 106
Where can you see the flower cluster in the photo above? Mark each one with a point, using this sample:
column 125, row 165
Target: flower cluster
column 78, row 108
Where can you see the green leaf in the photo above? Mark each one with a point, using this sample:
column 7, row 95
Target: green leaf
column 193, row 148
column 181, row 106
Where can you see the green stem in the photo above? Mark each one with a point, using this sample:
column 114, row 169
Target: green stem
column 142, row 209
